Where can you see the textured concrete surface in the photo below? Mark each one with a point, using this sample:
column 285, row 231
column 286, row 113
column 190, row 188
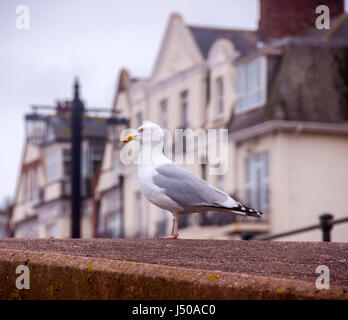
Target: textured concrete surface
column 172, row 269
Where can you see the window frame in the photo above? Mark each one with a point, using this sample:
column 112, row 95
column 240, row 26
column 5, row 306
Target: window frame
column 139, row 119
column 219, row 96
column 184, row 104
column 113, row 224
column 66, row 163
column 241, row 75
column 164, row 113
column 140, row 215
column 49, row 163
column 52, row 230
column 36, row 187
column 116, row 167
column 220, row 182
column 258, row 196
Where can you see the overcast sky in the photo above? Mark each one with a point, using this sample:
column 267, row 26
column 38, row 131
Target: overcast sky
column 91, row 40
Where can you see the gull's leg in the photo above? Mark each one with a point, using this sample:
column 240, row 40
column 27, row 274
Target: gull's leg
column 174, row 234
column 175, row 225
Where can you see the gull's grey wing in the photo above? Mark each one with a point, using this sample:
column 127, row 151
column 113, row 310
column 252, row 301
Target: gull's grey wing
column 187, row 189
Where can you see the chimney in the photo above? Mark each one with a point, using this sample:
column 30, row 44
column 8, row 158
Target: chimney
column 281, row 18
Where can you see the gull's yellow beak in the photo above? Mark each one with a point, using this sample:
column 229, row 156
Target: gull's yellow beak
column 127, row 138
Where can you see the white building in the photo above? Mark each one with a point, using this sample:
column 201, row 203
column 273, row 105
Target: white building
column 288, row 148
column 42, row 201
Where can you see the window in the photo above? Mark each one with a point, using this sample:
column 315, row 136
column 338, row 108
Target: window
column 257, row 181
column 184, row 109
column 96, row 154
column 31, row 186
column 204, row 171
column 219, row 96
column 162, row 223
column 91, row 160
column 53, row 165
column 27, row 187
column 139, row 119
column 220, row 182
column 164, row 113
column 116, row 169
column 67, row 163
column 85, row 163
column 251, row 84
column 184, row 116
column 36, row 190
column 110, row 218
column 114, row 225
column 51, row 230
column 140, row 232
column 101, row 225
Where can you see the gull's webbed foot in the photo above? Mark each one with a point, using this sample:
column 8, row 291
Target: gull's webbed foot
column 172, row 236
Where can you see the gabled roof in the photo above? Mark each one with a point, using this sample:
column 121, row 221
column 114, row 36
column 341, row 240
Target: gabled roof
column 124, row 80
column 245, row 41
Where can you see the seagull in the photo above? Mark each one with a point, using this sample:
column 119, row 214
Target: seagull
column 173, row 188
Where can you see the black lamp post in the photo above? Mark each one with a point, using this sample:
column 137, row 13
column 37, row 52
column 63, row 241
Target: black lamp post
column 76, row 129
column 36, row 129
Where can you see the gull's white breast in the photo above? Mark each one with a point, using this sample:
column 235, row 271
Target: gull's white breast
column 153, row 193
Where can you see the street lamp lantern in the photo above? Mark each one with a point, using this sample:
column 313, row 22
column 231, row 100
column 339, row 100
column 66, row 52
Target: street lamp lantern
column 35, row 126
column 115, row 126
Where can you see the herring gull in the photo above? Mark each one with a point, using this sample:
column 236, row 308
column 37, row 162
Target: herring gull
column 173, row 188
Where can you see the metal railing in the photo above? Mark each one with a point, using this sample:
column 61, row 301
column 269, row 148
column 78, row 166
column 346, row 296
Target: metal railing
column 326, row 223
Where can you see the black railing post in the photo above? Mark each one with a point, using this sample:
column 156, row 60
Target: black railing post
column 326, row 226
column 76, row 129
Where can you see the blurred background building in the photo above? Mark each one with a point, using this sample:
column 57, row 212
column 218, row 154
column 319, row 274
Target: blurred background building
column 281, row 91
column 42, row 200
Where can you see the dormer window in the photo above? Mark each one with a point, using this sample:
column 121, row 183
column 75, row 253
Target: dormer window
column 251, row 85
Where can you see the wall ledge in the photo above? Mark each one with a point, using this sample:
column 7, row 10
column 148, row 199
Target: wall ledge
column 79, row 274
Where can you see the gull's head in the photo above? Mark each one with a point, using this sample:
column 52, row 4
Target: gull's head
column 149, row 132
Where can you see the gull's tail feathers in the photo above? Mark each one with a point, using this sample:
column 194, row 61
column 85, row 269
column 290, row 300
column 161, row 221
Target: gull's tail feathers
column 240, row 209
column 250, row 212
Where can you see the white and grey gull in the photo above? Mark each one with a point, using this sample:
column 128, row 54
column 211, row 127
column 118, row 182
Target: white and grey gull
column 173, row 188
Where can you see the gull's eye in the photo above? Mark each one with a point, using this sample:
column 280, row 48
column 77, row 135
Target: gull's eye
column 141, row 129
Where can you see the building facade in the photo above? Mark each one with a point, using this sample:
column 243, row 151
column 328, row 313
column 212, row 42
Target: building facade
column 283, row 99
column 42, row 201
column 280, row 95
